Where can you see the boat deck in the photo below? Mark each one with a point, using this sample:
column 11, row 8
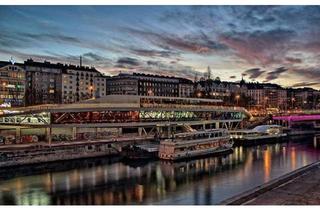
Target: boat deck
column 149, row 147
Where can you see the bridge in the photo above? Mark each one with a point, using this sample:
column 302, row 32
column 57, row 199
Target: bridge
column 119, row 115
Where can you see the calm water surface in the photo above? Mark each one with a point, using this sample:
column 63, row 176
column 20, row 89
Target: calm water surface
column 202, row 181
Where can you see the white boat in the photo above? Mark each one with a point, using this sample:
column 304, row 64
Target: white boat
column 260, row 134
column 197, row 143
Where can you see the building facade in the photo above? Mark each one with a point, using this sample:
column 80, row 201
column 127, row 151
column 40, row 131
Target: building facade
column 186, row 88
column 43, row 82
column 303, row 98
column 149, row 85
column 267, row 95
column 257, row 96
column 49, row 83
column 81, row 83
column 219, row 89
column 154, row 85
column 12, row 84
column 122, row 84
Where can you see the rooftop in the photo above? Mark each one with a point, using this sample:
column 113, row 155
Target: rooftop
column 6, row 63
column 136, row 99
column 135, row 75
column 61, row 66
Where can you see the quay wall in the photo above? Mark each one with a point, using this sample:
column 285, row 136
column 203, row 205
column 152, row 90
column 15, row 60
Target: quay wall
column 245, row 197
column 42, row 154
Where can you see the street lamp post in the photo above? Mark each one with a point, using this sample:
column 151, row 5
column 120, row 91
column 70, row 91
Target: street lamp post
column 237, row 98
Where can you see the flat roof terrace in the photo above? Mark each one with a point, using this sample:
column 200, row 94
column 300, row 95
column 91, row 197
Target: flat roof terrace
column 129, row 103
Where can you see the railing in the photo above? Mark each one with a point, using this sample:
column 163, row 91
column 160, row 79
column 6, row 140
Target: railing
column 232, row 108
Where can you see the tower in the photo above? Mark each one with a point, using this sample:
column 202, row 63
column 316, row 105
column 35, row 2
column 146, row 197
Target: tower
column 80, row 61
column 209, row 72
column 196, row 77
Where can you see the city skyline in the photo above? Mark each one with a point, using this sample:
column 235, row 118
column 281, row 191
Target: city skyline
column 276, row 44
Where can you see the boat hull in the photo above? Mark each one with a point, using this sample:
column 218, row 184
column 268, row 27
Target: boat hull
column 198, row 154
column 260, row 140
column 134, row 153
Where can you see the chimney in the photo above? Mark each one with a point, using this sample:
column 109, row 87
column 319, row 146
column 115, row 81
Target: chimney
column 80, row 61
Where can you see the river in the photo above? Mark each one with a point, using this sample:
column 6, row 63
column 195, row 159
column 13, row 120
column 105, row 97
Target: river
column 109, row 181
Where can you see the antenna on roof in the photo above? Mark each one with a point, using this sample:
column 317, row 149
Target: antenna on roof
column 80, row 61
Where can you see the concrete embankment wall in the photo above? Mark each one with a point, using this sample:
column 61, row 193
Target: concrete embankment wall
column 20, row 157
column 57, row 152
column 249, row 195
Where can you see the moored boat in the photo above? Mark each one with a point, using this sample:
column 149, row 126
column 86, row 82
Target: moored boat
column 140, row 152
column 259, row 135
column 193, row 144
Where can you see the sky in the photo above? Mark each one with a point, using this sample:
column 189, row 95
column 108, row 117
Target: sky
column 277, row 44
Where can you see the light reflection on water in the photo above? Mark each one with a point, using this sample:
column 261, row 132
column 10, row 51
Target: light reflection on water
column 201, row 181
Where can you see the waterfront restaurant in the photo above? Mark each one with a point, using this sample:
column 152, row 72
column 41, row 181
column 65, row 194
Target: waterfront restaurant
column 119, row 115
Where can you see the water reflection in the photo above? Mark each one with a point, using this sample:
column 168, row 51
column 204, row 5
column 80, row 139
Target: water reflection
column 201, row 181
column 267, row 164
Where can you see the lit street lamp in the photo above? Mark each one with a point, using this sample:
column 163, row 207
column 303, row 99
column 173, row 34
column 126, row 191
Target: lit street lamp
column 292, row 100
column 237, row 98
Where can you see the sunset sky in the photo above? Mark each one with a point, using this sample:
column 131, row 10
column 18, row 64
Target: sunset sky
column 278, row 44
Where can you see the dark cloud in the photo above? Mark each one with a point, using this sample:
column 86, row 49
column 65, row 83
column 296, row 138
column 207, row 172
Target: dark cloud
column 94, row 56
column 22, row 39
column 50, row 37
column 193, row 44
column 154, row 63
column 272, row 75
column 293, row 60
column 120, row 66
column 305, row 84
column 254, row 73
column 12, row 40
column 159, row 67
column 196, row 43
column 311, row 73
column 154, row 53
column 232, row 77
column 259, row 47
column 233, row 36
column 126, row 61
